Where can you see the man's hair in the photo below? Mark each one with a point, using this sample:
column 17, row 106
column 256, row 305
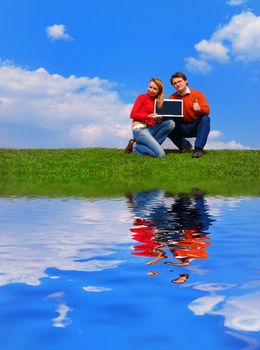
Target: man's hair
column 178, row 75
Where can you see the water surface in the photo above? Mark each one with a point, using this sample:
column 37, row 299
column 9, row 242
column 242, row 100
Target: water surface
column 148, row 270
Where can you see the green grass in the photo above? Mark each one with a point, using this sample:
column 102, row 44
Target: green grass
column 109, row 172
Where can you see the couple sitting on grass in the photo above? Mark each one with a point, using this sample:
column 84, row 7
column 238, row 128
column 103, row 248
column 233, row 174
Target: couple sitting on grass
column 150, row 129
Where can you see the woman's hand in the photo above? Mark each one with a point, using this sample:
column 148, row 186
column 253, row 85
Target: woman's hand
column 155, row 117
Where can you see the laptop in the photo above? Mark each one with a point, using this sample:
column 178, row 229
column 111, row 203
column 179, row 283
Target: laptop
column 170, row 108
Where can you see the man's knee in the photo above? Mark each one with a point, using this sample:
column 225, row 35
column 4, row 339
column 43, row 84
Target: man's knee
column 205, row 120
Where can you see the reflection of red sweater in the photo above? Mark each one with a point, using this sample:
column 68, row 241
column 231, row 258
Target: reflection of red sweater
column 192, row 246
column 144, row 234
column 143, row 106
column 189, row 114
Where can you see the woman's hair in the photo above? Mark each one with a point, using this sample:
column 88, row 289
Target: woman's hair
column 178, row 75
column 160, row 95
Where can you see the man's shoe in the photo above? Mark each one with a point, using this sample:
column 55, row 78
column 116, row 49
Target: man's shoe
column 129, row 147
column 197, row 153
column 186, row 149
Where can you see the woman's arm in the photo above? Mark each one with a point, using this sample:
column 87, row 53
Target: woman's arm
column 137, row 112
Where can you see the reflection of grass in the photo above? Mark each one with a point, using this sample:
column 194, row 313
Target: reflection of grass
column 97, row 172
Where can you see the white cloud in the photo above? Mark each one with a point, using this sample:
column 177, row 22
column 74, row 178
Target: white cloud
column 62, row 111
column 39, row 109
column 243, row 34
column 197, row 65
column 226, row 145
column 215, row 134
column 212, row 50
column 215, row 144
column 94, row 134
column 57, row 32
column 239, row 39
column 236, row 2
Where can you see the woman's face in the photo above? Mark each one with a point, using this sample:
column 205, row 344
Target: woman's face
column 153, row 89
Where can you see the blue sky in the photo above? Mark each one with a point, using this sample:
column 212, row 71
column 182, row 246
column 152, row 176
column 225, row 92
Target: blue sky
column 71, row 70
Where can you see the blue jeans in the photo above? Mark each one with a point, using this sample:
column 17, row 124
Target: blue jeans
column 199, row 128
column 149, row 139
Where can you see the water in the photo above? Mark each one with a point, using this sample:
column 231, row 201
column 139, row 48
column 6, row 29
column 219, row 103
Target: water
column 149, row 270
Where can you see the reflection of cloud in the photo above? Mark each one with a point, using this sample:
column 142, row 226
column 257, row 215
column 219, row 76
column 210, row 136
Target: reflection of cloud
column 240, row 313
column 96, row 289
column 212, row 287
column 251, row 284
column 59, row 234
column 218, row 204
column 62, row 320
column 198, row 270
column 204, row 305
column 88, row 213
column 92, row 212
column 57, row 295
column 252, row 344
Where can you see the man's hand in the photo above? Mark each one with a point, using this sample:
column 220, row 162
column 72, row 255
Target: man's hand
column 196, row 106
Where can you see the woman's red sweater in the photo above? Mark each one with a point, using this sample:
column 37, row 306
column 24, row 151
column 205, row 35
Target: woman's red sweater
column 143, row 106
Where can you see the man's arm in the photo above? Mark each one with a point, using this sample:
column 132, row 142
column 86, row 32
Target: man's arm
column 200, row 103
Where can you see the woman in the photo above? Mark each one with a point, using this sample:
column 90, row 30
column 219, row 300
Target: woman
column 149, row 129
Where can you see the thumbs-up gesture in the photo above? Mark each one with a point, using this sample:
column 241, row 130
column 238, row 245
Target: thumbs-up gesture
column 196, row 106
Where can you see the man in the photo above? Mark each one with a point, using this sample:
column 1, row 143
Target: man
column 196, row 121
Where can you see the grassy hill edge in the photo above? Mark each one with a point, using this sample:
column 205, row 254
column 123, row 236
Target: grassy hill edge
column 98, row 172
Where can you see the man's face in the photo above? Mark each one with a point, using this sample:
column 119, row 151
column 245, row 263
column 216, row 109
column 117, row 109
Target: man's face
column 180, row 85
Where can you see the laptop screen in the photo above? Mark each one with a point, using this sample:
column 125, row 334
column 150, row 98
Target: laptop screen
column 170, row 108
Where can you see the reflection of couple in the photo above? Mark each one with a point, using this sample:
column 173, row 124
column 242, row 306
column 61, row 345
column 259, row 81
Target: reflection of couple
column 150, row 130
column 177, row 224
